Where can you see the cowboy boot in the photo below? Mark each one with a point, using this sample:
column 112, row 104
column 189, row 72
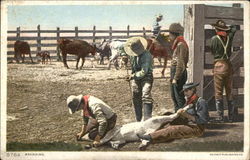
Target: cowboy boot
column 138, row 109
column 220, row 110
column 147, row 110
column 231, row 111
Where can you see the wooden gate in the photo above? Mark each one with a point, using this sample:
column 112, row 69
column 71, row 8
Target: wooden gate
column 198, row 33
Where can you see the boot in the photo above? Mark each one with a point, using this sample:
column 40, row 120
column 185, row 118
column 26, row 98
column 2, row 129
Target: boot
column 138, row 109
column 220, row 110
column 147, row 110
column 231, row 111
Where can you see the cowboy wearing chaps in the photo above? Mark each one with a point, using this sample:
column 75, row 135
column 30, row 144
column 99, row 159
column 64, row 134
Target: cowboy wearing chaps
column 221, row 45
column 142, row 76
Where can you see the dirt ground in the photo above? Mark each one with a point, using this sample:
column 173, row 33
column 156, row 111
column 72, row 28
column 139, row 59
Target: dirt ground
column 37, row 111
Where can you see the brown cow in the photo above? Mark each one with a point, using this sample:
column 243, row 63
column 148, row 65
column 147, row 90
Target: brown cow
column 161, row 50
column 21, row 48
column 76, row 47
column 45, row 55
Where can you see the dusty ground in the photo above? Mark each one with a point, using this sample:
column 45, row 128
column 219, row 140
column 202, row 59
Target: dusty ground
column 37, row 112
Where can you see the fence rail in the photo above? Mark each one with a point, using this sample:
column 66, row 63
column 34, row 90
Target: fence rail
column 37, row 39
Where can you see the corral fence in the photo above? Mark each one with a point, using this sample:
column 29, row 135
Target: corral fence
column 198, row 33
column 40, row 39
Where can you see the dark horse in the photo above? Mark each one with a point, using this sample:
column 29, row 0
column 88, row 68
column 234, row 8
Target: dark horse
column 76, row 47
column 104, row 50
column 161, row 49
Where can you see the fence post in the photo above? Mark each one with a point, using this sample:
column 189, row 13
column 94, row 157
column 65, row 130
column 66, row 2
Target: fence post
column 57, row 47
column 144, row 32
column 94, row 28
column 110, row 33
column 38, row 38
column 76, row 32
column 18, row 33
column 128, row 31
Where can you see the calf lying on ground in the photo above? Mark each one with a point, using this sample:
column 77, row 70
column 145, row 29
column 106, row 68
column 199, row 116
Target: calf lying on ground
column 129, row 132
column 45, row 55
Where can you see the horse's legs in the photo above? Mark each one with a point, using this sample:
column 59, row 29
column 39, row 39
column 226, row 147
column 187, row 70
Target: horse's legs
column 64, row 55
column 109, row 64
column 83, row 60
column 31, row 58
column 16, row 58
column 23, row 56
column 164, row 66
column 159, row 59
column 77, row 61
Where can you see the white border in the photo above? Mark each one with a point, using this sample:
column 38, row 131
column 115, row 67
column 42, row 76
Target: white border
column 124, row 155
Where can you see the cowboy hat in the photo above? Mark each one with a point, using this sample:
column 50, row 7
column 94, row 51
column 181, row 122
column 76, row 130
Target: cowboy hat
column 159, row 16
column 189, row 86
column 135, row 46
column 221, row 25
column 176, row 28
column 73, row 103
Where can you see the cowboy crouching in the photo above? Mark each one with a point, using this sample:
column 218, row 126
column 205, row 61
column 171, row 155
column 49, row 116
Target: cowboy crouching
column 98, row 117
column 190, row 123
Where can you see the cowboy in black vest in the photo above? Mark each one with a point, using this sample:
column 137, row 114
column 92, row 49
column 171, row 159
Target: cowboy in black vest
column 221, row 45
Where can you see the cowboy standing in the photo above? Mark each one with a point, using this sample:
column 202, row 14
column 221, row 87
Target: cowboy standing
column 156, row 27
column 142, row 76
column 178, row 72
column 98, row 117
column 221, row 45
column 189, row 124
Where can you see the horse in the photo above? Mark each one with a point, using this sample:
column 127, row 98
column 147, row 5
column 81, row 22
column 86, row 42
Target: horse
column 76, row 47
column 161, row 48
column 116, row 47
column 104, row 50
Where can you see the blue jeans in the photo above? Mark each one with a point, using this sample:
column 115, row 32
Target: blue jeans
column 176, row 94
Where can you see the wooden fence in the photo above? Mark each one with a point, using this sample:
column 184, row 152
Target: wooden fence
column 37, row 38
column 198, row 33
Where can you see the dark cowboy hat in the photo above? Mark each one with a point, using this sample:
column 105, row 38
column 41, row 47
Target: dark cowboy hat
column 221, row 25
column 189, row 86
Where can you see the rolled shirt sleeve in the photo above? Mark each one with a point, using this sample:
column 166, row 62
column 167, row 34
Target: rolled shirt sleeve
column 202, row 116
column 101, row 119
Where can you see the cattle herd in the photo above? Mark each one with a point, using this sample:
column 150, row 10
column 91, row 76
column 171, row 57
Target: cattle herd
column 112, row 49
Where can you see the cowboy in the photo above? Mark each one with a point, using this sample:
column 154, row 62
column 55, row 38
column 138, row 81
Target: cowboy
column 178, row 72
column 190, row 123
column 156, row 27
column 142, row 76
column 221, row 45
column 98, row 117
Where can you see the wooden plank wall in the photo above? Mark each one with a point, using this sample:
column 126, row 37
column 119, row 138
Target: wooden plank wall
column 198, row 33
column 40, row 39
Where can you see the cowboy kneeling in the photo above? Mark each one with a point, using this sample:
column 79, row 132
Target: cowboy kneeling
column 98, row 117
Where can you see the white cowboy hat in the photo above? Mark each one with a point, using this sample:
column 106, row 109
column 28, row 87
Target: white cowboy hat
column 73, row 103
column 135, row 46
